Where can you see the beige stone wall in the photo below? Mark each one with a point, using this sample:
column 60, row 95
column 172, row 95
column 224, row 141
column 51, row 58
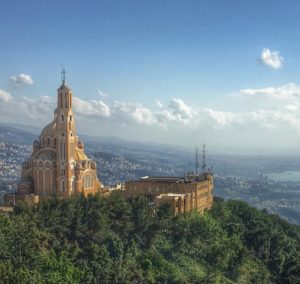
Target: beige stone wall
column 198, row 194
column 154, row 188
column 80, row 184
column 31, row 199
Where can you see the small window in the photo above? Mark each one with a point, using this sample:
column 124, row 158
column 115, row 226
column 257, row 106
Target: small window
column 61, row 101
column 62, row 117
column 66, row 101
column 70, row 117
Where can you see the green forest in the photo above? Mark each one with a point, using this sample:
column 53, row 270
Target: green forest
column 112, row 240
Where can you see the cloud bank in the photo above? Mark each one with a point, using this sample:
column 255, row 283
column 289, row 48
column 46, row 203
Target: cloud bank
column 286, row 91
column 275, row 123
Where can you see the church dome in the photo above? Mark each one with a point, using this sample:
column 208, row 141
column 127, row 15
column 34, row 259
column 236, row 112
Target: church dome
column 49, row 130
column 49, row 155
column 80, row 155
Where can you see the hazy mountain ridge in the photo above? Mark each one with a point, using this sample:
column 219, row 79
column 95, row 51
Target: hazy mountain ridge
column 15, row 135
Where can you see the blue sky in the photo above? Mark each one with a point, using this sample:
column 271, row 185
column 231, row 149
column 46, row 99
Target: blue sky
column 191, row 56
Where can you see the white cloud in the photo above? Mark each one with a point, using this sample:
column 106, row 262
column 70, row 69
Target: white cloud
column 5, row 96
column 101, row 94
column 38, row 108
column 32, row 111
column 163, row 117
column 291, row 107
column 286, row 91
column 21, row 79
column 220, row 117
column 180, row 110
column 91, row 108
column 129, row 112
column 143, row 115
column 271, row 58
column 159, row 104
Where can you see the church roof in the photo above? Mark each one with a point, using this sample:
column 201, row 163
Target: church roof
column 49, row 130
column 64, row 86
column 80, row 155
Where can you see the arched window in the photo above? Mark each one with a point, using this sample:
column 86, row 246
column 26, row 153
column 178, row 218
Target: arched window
column 62, row 117
column 70, row 117
column 62, row 150
column 88, row 181
column 61, row 100
column 48, row 141
column 66, row 101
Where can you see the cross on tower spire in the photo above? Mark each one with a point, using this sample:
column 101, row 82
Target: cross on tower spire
column 63, row 76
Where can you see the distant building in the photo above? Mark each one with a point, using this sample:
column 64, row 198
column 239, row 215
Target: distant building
column 192, row 192
column 58, row 165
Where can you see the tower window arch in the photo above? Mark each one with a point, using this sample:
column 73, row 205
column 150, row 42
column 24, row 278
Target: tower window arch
column 66, row 101
column 61, row 101
column 62, row 117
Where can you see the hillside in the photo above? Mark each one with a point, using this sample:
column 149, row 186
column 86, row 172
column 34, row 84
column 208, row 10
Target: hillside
column 15, row 135
column 96, row 240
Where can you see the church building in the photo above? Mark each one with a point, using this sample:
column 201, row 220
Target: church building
column 58, row 165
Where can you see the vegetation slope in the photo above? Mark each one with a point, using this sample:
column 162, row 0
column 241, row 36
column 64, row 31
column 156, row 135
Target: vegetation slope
column 111, row 240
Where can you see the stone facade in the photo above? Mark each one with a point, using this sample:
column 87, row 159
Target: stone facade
column 58, row 165
column 182, row 193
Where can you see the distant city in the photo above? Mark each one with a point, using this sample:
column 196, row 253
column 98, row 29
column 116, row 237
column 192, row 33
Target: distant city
column 267, row 182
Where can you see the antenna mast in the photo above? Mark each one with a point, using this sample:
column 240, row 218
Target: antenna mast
column 203, row 159
column 196, row 161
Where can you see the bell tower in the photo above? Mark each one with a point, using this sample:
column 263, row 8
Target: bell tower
column 66, row 140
